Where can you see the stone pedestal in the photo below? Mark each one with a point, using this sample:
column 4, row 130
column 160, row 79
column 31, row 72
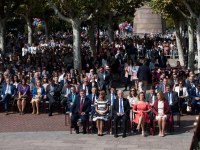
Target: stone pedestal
column 146, row 21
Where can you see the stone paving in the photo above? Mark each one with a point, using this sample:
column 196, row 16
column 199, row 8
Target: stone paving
column 65, row 141
column 41, row 132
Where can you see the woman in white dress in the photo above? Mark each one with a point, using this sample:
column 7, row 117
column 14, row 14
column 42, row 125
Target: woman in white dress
column 161, row 110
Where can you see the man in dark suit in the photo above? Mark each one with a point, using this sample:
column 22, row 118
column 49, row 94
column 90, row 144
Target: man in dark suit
column 144, row 75
column 162, row 86
column 66, row 90
column 195, row 97
column 172, row 98
column 93, row 83
column 121, row 110
column 151, row 97
column 85, row 86
column 111, row 97
column 93, row 97
column 52, row 93
column 162, row 60
column 104, row 79
column 8, row 92
column 80, row 111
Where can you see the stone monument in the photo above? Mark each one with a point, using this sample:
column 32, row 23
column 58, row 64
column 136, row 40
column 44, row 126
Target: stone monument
column 146, row 21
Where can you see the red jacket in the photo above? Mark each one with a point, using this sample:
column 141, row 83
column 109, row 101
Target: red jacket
column 166, row 107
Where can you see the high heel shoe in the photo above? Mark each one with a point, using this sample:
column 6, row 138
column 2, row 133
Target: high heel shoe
column 143, row 133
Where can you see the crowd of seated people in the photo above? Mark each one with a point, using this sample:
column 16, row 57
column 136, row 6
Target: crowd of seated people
column 48, row 76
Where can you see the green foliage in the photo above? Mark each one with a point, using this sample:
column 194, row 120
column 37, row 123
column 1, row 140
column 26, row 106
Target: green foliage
column 7, row 7
column 169, row 23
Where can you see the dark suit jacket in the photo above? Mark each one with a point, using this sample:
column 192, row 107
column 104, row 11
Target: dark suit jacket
column 90, row 97
column 175, row 100
column 13, row 89
column 193, row 93
column 126, row 105
column 108, row 97
column 162, row 60
column 148, row 97
column 95, row 85
column 143, row 73
column 88, row 86
column 75, row 109
column 70, row 97
column 161, row 87
column 64, row 91
column 56, row 90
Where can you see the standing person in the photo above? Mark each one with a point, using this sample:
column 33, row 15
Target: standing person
column 141, row 109
column 121, row 110
column 23, row 96
column 161, row 110
column 128, row 74
column 101, row 109
column 80, row 111
column 143, row 76
column 8, row 92
column 38, row 93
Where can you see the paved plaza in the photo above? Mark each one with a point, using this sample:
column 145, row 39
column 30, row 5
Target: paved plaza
column 30, row 132
column 61, row 140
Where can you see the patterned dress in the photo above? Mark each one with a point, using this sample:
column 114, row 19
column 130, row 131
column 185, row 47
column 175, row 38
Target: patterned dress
column 101, row 107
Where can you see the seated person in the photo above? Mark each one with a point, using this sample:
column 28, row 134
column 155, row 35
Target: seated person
column 37, row 95
column 195, row 96
column 71, row 97
column 52, row 94
column 141, row 108
column 64, row 96
column 93, row 97
column 161, row 110
column 182, row 94
column 101, row 109
column 80, row 111
column 172, row 98
column 8, row 92
column 23, row 96
column 121, row 110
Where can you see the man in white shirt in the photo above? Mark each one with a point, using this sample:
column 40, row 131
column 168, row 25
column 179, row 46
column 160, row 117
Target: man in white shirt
column 121, row 111
column 8, row 91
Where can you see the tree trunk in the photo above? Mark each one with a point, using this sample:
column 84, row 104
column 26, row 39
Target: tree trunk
column 191, row 46
column 198, row 42
column 2, row 36
column 110, row 29
column 46, row 31
column 30, row 31
column 91, row 33
column 179, row 43
column 76, row 44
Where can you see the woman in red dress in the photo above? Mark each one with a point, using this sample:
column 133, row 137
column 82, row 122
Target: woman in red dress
column 141, row 108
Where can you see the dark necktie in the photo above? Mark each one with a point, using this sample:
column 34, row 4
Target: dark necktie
column 93, row 99
column 81, row 105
